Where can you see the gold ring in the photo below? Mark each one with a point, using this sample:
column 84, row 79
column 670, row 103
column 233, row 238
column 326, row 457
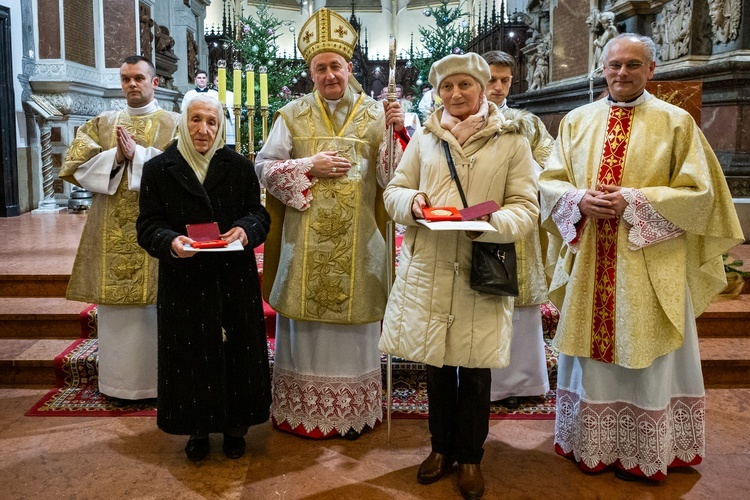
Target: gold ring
column 333, row 170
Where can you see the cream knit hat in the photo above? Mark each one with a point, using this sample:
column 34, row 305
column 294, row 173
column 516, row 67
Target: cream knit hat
column 470, row 63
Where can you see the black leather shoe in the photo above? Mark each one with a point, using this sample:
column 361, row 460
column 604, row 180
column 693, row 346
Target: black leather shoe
column 470, row 481
column 435, row 466
column 196, row 448
column 234, row 446
column 624, row 475
column 511, row 403
column 352, row 435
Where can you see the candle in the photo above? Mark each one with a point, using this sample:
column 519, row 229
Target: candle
column 250, row 74
column 237, row 86
column 263, row 87
column 222, row 85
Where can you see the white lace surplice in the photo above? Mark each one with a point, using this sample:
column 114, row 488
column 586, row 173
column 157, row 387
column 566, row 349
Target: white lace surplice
column 649, row 418
column 642, row 419
column 326, row 377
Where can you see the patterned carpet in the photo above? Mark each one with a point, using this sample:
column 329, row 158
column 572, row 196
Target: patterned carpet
column 76, row 394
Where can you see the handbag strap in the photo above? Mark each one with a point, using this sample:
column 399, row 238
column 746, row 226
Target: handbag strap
column 454, row 176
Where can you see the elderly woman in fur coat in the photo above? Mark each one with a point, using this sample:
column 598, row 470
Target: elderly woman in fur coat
column 213, row 371
column 433, row 316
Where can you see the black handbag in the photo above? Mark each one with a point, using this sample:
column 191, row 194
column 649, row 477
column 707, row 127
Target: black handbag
column 493, row 265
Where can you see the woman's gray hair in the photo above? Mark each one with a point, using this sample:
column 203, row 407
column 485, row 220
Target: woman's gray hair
column 205, row 98
column 647, row 42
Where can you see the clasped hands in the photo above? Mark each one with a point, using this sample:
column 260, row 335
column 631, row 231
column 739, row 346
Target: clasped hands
column 604, row 203
column 236, row 233
column 330, row 164
column 125, row 145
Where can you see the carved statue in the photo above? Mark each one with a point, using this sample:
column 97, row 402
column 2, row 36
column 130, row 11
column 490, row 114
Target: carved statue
column 607, row 22
column 536, row 18
column 593, row 20
column 192, row 57
column 671, row 32
column 540, row 76
column 164, row 42
column 146, row 23
column 725, row 19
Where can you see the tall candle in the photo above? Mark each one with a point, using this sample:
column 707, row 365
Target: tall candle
column 222, row 85
column 263, row 88
column 250, row 74
column 237, row 86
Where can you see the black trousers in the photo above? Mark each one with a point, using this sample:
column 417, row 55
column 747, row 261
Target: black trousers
column 459, row 419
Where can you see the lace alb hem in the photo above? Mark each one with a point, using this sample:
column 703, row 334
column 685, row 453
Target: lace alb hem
column 566, row 215
column 287, row 181
column 605, row 433
column 648, row 225
column 327, row 403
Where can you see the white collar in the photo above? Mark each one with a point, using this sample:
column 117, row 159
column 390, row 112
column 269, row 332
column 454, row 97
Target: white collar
column 631, row 104
column 144, row 110
column 332, row 104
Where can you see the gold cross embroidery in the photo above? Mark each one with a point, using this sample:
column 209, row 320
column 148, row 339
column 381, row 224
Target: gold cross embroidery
column 308, row 35
column 341, row 31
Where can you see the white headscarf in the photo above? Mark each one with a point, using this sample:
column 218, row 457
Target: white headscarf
column 197, row 161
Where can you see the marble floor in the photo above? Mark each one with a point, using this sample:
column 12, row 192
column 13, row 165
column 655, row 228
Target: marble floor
column 128, row 457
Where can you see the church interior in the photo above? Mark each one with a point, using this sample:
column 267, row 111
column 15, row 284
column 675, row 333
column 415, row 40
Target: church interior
column 60, row 67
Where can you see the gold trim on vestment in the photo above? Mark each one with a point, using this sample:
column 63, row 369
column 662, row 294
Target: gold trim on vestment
column 339, row 279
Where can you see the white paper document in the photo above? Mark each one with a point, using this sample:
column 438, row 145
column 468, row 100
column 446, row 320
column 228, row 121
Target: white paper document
column 234, row 246
column 458, row 225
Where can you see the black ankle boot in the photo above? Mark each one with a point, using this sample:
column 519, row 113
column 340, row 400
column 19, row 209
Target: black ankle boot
column 234, row 446
column 196, row 448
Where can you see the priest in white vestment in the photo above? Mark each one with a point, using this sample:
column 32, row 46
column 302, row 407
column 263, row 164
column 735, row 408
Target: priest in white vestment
column 641, row 204
column 110, row 269
column 325, row 256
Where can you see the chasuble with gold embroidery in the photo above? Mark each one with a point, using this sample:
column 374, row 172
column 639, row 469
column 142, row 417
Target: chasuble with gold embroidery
column 331, row 255
column 621, row 283
column 110, row 266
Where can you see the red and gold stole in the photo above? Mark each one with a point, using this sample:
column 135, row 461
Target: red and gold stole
column 610, row 173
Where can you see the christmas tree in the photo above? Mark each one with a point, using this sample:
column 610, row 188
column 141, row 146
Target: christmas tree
column 257, row 45
column 450, row 35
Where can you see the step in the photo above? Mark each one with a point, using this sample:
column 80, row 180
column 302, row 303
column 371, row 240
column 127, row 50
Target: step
column 725, row 362
column 726, row 318
column 40, row 318
column 30, row 362
column 39, row 285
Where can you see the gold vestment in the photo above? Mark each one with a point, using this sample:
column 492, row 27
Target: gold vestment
column 110, row 267
column 532, row 284
column 669, row 160
column 328, row 263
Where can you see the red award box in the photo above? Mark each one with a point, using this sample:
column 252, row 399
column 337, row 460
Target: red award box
column 206, row 235
column 435, row 214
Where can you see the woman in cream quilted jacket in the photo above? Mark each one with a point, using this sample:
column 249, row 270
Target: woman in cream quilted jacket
column 433, row 316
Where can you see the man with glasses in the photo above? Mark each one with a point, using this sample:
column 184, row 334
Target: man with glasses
column 641, row 205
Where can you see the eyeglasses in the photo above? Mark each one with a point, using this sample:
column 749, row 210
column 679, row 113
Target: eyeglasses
column 631, row 66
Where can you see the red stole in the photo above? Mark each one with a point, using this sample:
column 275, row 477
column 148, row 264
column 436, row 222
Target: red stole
column 610, row 173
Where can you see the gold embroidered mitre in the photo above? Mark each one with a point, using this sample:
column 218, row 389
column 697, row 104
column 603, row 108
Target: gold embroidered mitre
column 326, row 31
